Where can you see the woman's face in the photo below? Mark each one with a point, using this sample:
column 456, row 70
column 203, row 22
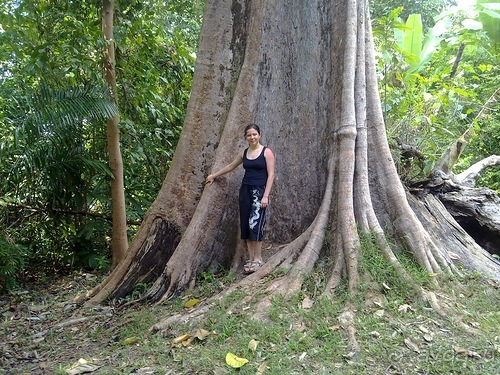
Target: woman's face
column 252, row 136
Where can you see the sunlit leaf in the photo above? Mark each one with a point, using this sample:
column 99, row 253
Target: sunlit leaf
column 130, row 340
column 191, row 303
column 472, row 24
column 234, row 361
column 180, row 339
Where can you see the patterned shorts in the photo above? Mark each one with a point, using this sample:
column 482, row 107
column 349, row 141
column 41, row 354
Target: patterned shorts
column 252, row 216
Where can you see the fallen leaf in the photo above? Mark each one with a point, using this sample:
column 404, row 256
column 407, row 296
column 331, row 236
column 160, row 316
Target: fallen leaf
column 144, row 371
column 307, row 303
column 82, row 366
column 298, row 326
column 423, row 329
column 411, row 345
column 202, row 334
column 261, row 369
column 428, row 337
column 180, row 339
column 302, row 356
column 375, row 334
column 379, row 313
column 191, row 303
column 252, row 345
column 335, row 327
column 404, row 308
column 234, row 361
column 130, row 340
column 349, row 355
column 386, row 286
column 467, row 352
column 188, row 342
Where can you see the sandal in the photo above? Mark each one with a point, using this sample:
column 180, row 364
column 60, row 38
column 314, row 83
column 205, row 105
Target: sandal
column 252, row 266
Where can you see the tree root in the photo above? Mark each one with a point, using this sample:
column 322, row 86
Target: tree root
column 346, row 320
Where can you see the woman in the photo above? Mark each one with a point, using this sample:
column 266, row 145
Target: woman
column 258, row 162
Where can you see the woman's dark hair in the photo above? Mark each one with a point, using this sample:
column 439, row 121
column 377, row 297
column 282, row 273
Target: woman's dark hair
column 251, row 126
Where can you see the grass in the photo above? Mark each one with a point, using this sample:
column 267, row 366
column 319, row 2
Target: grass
column 398, row 333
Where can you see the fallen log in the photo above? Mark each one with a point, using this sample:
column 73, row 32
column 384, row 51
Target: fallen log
column 470, row 218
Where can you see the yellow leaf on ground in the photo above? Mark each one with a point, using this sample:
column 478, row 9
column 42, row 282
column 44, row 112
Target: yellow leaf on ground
column 130, row 340
column 180, row 339
column 234, row 361
column 188, row 342
column 191, row 303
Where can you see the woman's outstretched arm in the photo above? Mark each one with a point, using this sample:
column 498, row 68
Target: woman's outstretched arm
column 228, row 168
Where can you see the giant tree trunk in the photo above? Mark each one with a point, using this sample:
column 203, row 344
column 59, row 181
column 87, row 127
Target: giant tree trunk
column 303, row 71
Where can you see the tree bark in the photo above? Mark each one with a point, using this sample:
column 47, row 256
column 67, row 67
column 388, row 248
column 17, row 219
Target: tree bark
column 119, row 242
column 304, row 71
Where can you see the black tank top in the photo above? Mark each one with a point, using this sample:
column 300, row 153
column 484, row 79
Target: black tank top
column 255, row 169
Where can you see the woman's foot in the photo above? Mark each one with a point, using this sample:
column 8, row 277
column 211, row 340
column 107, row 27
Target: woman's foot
column 252, row 266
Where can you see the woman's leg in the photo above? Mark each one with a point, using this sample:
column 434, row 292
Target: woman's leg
column 254, row 250
column 257, row 251
column 251, row 250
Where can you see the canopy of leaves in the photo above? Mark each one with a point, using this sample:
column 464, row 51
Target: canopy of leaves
column 428, row 9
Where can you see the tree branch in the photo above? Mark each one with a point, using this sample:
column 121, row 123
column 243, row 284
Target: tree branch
column 470, row 175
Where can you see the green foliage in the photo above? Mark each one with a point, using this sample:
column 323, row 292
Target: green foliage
column 412, row 40
column 54, row 177
column 427, row 8
column 12, row 262
column 155, row 62
column 486, row 141
column 432, row 99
